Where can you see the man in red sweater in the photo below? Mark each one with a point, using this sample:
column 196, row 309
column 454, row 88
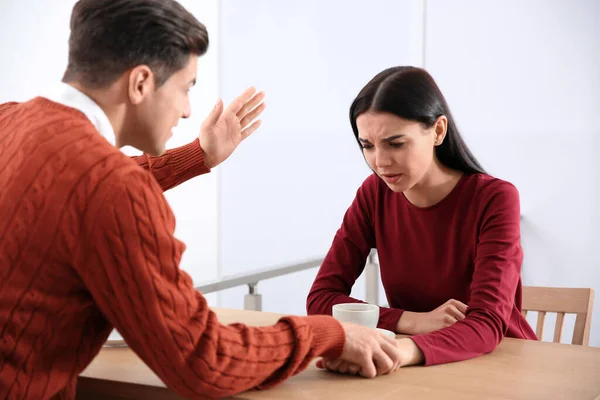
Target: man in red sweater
column 86, row 236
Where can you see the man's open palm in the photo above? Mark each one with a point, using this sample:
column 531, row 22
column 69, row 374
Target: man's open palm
column 223, row 130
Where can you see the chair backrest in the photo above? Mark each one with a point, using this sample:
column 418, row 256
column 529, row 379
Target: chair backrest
column 561, row 301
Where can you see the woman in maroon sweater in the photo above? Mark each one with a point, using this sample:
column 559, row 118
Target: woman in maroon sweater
column 447, row 234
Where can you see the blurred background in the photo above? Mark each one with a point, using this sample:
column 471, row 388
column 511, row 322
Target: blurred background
column 522, row 78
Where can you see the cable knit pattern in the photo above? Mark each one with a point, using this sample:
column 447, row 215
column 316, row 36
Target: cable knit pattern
column 86, row 244
column 175, row 166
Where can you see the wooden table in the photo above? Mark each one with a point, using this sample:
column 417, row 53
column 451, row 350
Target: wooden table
column 517, row 369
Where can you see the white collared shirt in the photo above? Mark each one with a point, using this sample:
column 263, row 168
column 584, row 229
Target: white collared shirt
column 68, row 96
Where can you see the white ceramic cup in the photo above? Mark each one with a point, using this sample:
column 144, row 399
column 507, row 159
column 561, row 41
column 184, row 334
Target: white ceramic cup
column 357, row 313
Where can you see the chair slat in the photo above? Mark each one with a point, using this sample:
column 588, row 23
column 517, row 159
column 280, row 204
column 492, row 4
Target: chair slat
column 560, row 318
column 579, row 330
column 539, row 330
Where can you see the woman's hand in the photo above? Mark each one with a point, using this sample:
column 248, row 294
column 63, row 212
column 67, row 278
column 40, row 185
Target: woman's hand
column 412, row 323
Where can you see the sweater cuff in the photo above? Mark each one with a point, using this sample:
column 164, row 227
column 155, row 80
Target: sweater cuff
column 425, row 347
column 188, row 161
column 329, row 337
column 389, row 320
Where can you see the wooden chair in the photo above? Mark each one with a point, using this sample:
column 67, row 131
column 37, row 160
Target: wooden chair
column 561, row 301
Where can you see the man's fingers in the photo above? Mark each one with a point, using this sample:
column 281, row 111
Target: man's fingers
column 392, row 352
column 343, row 368
column 367, row 368
column 349, row 368
column 215, row 113
column 353, row 369
column 250, row 104
column 388, row 339
column 239, row 102
column 383, row 362
column 251, row 129
column 252, row 115
column 334, row 364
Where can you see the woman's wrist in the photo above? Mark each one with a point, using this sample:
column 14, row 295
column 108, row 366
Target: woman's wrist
column 410, row 353
column 407, row 323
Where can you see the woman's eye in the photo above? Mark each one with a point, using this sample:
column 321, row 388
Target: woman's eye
column 366, row 146
column 396, row 145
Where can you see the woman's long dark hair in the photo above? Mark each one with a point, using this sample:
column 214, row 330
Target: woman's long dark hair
column 411, row 93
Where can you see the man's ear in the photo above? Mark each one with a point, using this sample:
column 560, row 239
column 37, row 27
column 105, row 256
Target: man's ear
column 141, row 83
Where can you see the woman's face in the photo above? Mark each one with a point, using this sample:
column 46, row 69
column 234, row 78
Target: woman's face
column 400, row 151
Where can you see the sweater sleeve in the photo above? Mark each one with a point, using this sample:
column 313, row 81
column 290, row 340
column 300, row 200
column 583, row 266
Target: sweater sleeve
column 129, row 263
column 175, row 166
column 346, row 260
column 496, row 276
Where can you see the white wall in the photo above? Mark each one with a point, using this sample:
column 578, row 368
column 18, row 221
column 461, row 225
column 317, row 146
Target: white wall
column 33, row 45
column 284, row 192
column 34, row 50
column 195, row 203
column 521, row 78
column 523, row 81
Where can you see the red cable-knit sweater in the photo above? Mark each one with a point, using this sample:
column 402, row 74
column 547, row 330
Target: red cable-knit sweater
column 86, row 244
column 466, row 247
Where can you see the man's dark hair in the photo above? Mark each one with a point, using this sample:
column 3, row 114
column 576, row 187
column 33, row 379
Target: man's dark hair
column 108, row 37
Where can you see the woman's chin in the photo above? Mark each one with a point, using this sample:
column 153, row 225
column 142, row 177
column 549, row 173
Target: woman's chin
column 398, row 187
